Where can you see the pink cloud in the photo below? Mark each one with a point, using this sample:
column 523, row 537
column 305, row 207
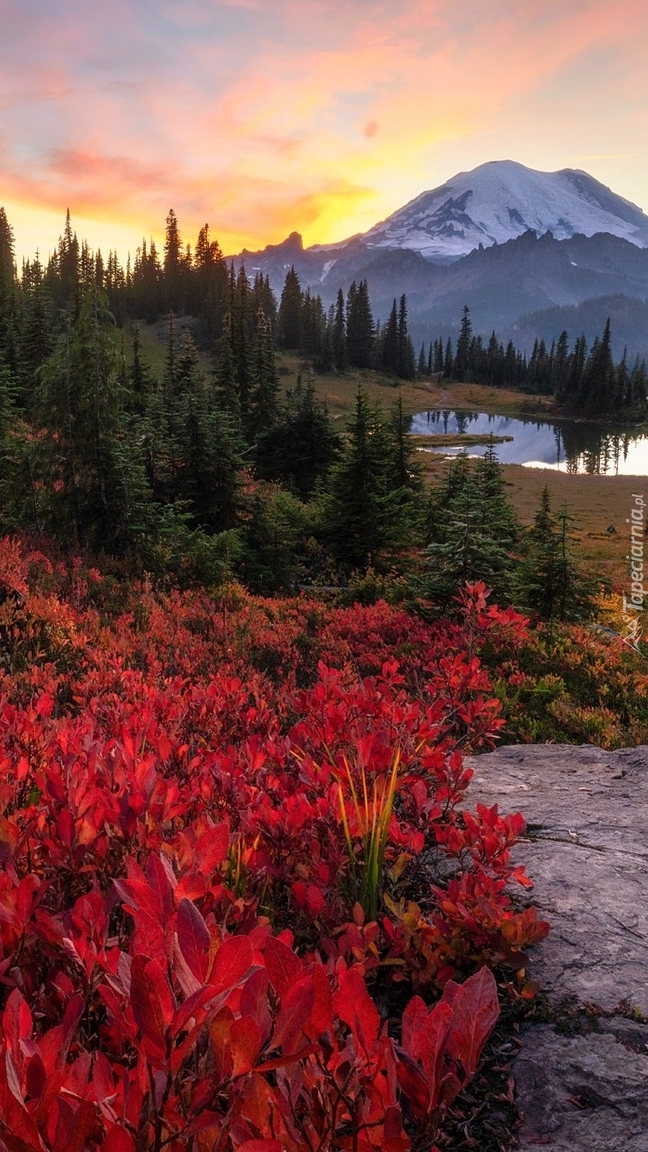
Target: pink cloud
column 310, row 114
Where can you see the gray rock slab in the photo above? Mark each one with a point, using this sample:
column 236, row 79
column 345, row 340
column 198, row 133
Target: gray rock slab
column 587, row 854
column 586, row 851
column 581, row 1092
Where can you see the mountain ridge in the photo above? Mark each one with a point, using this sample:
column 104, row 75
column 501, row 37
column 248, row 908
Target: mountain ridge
column 529, row 272
column 501, row 200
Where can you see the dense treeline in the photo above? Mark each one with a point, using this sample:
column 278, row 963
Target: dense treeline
column 207, row 471
column 579, row 379
column 206, row 474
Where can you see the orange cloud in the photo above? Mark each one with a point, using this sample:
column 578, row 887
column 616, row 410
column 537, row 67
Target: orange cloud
column 313, row 115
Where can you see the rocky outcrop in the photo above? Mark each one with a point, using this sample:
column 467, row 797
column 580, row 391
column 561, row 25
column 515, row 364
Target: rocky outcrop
column 587, row 852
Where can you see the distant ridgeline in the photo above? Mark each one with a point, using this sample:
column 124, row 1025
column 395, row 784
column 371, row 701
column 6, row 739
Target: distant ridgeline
column 227, row 307
column 215, row 473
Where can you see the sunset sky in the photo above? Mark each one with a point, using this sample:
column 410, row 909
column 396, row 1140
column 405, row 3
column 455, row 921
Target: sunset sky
column 323, row 116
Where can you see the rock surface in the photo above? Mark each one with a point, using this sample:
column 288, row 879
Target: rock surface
column 587, row 852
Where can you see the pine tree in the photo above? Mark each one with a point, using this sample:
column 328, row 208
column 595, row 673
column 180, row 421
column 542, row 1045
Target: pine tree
column 147, row 288
column 35, row 335
column 551, row 583
column 299, row 450
column 361, row 331
column 63, row 273
column 462, row 365
column 8, row 293
column 390, row 343
column 448, row 361
column 209, row 288
column 290, row 312
column 339, row 339
column 406, row 368
column 173, row 266
column 422, row 367
column 242, row 331
column 209, row 447
column 263, row 410
column 226, row 383
column 140, row 382
column 88, row 477
column 561, row 368
column 361, row 511
column 596, row 388
column 473, row 533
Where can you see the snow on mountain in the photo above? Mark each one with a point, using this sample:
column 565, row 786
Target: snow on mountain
column 500, row 200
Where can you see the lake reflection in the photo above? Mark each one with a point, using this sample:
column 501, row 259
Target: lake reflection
column 565, row 445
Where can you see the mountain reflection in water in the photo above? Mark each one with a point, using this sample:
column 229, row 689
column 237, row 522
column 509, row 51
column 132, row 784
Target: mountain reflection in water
column 565, row 445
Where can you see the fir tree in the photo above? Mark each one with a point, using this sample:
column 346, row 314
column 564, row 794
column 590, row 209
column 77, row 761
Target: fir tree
column 173, row 266
column 339, row 339
column 290, row 312
column 551, row 582
column 462, row 363
column 301, row 447
column 8, row 293
column 88, row 477
column 474, row 533
column 406, row 368
column 361, row 511
column 226, row 383
column 139, row 377
column 361, row 331
column 263, row 410
column 390, row 343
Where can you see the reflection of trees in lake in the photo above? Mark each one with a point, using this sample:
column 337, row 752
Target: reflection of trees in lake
column 571, row 445
column 449, row 422
column 590, row 449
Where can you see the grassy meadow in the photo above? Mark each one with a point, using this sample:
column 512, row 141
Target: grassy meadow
column 596, row 502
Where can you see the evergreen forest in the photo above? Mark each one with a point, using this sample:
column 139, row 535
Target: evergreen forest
column 210, row 473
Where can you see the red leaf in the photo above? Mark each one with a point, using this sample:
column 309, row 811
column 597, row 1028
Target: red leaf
column 151, row 999
column 119, row 1140
column 65, row 827
column 414, row 1018
column 246, row 1042
column 321, row 1018
column 254, row 1001
column 284, row 968
column 74, row 1126
column 354, row 1006
column 219, row 1036
column 211, row 848
column 148, row 937
column 160, row 877
column 138, row 894
column 475, row 1009
column 16, row 1021
column 432, row 1044
column 193, row 938
column 233, row 960
column 296, row 1007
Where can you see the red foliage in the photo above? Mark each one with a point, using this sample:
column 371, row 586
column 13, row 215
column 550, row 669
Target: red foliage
column 168, row 794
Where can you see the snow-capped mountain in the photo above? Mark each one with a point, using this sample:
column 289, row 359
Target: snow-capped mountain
column 529, row 252
column 497, row 202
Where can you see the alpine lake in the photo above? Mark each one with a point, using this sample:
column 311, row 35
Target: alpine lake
column 564, row 445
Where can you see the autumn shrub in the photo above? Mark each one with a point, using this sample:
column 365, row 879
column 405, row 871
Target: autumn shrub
column 189, row 950
column 572, row 685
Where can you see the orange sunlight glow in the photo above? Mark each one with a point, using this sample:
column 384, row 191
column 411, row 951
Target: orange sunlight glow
column 306, row 115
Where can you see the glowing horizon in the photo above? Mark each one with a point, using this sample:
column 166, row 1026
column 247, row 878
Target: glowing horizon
column 317, row 117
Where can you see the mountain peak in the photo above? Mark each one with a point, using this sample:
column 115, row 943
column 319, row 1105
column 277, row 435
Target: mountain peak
column 502, row 199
